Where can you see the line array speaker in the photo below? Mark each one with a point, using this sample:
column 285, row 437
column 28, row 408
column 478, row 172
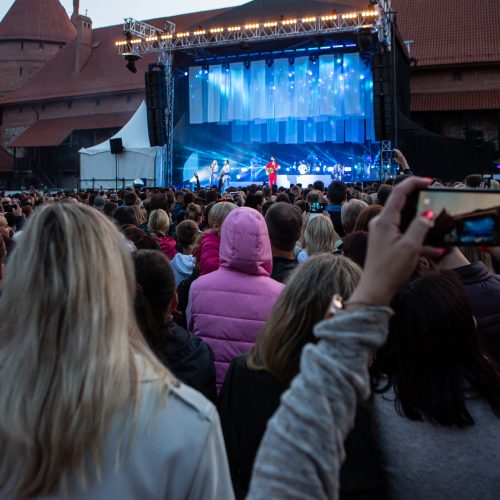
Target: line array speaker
column 156, row 102
column 383, row 97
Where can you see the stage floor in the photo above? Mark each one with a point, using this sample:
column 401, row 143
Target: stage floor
column 287, row 180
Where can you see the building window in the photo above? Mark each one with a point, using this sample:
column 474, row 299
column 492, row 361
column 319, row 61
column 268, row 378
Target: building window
column 22, row 45
column 40, row 45
column 20, row 110
column 21, row 71
column 42, row 107
column 457, row 76
column 70, row 104
column 97, row 102
column 129, row 98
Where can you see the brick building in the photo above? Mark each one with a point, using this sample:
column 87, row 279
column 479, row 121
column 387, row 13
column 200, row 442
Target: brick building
column 63, row 87
column 78, row 95
column 456, row 80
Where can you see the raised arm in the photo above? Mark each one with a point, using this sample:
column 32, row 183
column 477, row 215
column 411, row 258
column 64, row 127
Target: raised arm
column 303, row 448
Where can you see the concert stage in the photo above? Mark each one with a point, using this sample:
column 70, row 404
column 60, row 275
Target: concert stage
column 300, row 89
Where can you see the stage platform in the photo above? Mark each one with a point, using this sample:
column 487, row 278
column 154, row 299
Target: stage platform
column 287, row 180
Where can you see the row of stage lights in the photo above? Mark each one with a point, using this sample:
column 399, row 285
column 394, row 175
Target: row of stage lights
column 231, row 29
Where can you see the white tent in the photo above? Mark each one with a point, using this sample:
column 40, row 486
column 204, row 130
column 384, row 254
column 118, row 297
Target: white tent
column 98, row 167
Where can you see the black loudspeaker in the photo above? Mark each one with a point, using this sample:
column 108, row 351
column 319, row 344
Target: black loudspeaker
column 156, row 102
column 383, row 97
column 116, row 146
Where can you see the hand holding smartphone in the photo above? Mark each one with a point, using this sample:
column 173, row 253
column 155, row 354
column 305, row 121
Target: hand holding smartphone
column 461, row 217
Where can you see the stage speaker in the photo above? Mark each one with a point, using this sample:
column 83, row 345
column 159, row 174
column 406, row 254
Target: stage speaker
column 383, row 97
column 156, row 102
column 116, row 146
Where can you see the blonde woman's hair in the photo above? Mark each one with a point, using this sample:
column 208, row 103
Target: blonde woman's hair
column 72, row 362
column 320, row 236
column 159, row 222
column 303, row 303
column 140, row 213
column 219, row 212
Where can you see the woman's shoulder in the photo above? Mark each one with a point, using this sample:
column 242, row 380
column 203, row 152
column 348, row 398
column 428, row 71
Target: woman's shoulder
column 183, row 409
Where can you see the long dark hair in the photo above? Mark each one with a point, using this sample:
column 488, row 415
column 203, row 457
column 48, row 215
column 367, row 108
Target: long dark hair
column 303, row 303
column 433, row 354
column 155, row 289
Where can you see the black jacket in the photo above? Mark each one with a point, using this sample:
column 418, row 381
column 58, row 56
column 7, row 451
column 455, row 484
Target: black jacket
column 282, row 268
column 483, row 290
column 249, row 399
column 191, row 360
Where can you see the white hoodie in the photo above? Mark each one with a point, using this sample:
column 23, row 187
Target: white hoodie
column 183, row 266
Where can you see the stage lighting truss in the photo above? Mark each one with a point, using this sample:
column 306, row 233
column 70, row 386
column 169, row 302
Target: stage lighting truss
column 149, row 39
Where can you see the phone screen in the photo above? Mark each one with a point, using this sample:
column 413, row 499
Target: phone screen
column 487, row 179
column 462, row 217
column 316, row 208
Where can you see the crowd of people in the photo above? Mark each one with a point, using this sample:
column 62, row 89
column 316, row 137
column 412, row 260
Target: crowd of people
column 254, row 343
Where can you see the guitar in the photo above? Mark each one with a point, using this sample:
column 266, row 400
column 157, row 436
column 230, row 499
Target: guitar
column 270, row 170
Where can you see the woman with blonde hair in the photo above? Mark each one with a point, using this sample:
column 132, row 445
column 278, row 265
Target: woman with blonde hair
column 158, row 225
column 254, row 383
column 319, row 237
column 85, row 406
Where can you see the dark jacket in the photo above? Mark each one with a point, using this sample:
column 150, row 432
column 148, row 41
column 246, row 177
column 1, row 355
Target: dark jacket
column 282, row 268
column 191, row 360
column 249, row 399
column 334, row 213
column 483, row 289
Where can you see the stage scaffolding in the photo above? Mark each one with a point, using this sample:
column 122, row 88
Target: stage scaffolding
column 142, row 39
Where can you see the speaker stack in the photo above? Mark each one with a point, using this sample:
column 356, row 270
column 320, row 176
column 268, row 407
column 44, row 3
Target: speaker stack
column 383, row 97
column 156, row 101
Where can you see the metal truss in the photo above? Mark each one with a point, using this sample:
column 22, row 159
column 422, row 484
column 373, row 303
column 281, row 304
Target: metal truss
column 385, row 160
column 167, row 59
column 148, row 41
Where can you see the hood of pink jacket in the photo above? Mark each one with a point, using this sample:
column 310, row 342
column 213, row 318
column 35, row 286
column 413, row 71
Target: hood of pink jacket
column 245, row 245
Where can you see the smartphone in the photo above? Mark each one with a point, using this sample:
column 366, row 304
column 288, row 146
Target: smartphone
column 487, row 179
column 463, row 217
column 315, row 208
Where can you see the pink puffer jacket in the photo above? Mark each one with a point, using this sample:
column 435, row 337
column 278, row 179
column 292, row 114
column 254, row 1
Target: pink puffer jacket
column 228, row 307
column 208, row 253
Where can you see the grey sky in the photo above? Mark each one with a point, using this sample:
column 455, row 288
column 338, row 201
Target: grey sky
column 108, row 12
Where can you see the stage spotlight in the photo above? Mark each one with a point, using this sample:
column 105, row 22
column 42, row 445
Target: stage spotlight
column 238, row 177
column 244, row 170
column 317, row 169
column 131, row 59
column 186, row 73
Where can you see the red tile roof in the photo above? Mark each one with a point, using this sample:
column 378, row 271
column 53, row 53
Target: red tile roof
column 456, row 101
column 451, row 31
column 105, row 72
column 38, row 20
column 6, row 161
column 53, row 132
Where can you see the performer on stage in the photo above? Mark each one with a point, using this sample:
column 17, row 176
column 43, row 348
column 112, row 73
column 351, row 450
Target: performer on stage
column 214, row 169
column 271, row 168
column 226, row 171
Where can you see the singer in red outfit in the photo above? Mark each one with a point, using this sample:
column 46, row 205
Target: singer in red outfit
column 271, row 168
